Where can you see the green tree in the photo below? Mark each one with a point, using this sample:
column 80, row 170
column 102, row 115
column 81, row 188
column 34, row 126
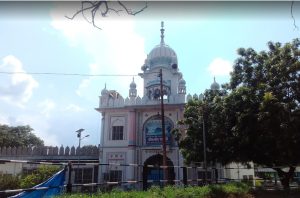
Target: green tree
column 38, row 176
column 265, row 91
column 200, row 116
column 18, row 136
column 259, row 119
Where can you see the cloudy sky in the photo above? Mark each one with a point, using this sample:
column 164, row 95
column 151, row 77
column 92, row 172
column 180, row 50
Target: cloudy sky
column 36, row 37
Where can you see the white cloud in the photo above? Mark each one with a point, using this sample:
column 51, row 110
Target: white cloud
column 41, row 128
column 73, row 108
column 15, row 88
column 46, row 107
column 220, row 67
column 83, row 85
column 4, row 120
column 116, row 49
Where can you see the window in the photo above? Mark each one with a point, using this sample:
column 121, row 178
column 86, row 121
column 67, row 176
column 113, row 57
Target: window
column 83, row 175
column 115, row 175
column 117, row 133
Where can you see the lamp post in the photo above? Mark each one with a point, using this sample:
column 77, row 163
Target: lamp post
column 204, row 149
column 79, row 131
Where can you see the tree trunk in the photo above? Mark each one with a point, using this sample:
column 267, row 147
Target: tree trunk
column 285, row 177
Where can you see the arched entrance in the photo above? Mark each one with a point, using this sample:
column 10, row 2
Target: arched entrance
column 156, row 173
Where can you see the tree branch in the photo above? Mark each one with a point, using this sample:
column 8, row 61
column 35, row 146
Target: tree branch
column 294, row 21
column 130, row 12
column 104, row 8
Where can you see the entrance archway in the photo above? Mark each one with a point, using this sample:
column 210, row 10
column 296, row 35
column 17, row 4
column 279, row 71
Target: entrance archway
column 156, row 173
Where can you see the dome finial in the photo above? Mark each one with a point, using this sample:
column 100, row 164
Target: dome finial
column 162, row 42
column 104, row 91
column 132, row 84
column 215, row 85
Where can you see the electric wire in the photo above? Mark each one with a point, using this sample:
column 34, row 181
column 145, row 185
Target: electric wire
column 67, row 74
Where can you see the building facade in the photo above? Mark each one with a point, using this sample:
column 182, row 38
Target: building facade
column 131, row 130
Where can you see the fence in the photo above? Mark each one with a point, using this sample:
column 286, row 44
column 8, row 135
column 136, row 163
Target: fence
column 50, row 153
column 189, row 175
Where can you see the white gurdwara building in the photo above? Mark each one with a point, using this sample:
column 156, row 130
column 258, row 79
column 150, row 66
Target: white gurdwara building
column 131, row 127
column 131, row 130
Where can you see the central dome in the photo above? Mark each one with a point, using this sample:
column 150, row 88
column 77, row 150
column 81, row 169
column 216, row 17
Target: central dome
column 162, row 55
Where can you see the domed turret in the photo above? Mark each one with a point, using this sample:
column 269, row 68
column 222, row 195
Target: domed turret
column 132, row 90
column 162, row 55
column 181, row 86
column 132, row 85
column 214, row 85
column 104, row 91
column 182, row 81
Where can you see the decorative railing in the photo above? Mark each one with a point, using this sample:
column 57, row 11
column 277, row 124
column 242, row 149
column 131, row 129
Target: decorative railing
column 48, row 151
column 121, row 102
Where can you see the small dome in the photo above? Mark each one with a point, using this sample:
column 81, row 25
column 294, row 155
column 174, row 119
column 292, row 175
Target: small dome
column 144, row 68
column 182, row 81
column 132, row 84
column 214, row 85
column 104, row 91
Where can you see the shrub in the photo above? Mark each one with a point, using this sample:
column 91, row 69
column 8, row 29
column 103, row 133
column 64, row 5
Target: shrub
column 230, row 190
column 40, row 175
column 8, row 181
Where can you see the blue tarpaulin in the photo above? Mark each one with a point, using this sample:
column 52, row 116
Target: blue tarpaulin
column 56, row 181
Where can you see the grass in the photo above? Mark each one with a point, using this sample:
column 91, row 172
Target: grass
column 230, row 190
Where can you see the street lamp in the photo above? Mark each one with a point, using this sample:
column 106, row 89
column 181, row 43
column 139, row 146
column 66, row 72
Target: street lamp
column 79, row 131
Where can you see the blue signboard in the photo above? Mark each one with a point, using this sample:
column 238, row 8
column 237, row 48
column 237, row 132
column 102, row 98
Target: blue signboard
column 153, row 131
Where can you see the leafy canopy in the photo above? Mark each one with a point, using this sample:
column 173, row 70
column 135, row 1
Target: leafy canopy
column 20, row 136
column 256, row 117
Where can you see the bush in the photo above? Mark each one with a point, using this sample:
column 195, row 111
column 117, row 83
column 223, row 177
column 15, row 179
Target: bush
column 8, row 181
column 40, row 175
column 230, row 190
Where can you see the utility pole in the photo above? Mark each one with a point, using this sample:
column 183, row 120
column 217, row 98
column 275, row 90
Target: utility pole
column 204, row 149
column 163, row 128
column 79, row 131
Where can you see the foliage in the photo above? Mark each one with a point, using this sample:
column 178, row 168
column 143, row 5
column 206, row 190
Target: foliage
column 265, row 91
column 228, row 190
column 38, row 176
column 20, row 136
column 8, row 181
column 258, row 119
column 204, row 116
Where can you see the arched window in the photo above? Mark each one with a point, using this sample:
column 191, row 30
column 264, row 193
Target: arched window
column 117, row 128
